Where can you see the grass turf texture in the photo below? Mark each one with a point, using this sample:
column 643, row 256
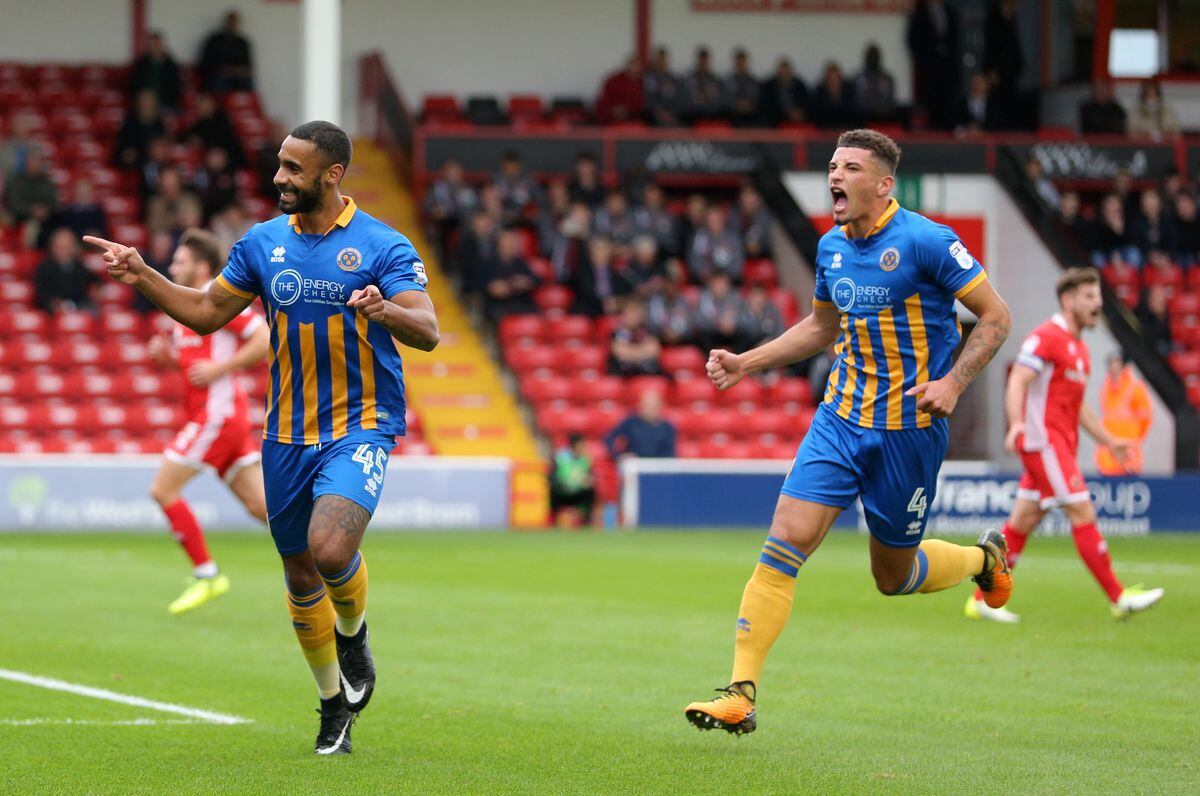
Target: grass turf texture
column 561, row 663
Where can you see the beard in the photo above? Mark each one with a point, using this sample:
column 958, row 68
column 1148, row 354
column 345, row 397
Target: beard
column 302, row 201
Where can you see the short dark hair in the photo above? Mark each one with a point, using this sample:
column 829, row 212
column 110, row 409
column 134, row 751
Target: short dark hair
column 875, row 142
column 330, row 140
column 204, row 246
column 1073, row 278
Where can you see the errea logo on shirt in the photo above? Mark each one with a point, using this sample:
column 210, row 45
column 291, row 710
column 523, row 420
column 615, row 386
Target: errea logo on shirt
column 277, row 254
column 837, row 261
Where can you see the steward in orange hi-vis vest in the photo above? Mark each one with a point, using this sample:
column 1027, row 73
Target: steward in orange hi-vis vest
column 1126, row 412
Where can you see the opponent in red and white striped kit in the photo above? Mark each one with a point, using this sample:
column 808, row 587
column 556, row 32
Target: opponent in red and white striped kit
column 1045, row 407
column 218, row 433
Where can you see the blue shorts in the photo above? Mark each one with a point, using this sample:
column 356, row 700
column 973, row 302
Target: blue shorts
column 296, row 475
column 895, row 473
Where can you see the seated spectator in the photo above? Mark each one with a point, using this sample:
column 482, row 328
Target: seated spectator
column 644, row 434
column 634, row 351
column 230, row 225
column 671, row 317
column 598, row 286
column 760, row 320
column 1152, row 228
column 874, row 89
column 216, row 183
column 652, row 218
column 980, row 110
column 615, row 222
column 622, row 97
column 719, row 310
column 833, row 102
column 83, row 215
column 30, row 194
column 1101, row 113
column 586, row 186
column 1131, row 200
column 226, row 63
column 1069, row 217
column 17, row 145
column 62, row 282
column 156, row 70
column 491, row 203
column 1111, row 241
column 1187, row 240
column 694, row 212
column 568, row 251
column 165, row 209
column 662, row 90
column 552, row 213
column 1172, row 185
column 784, row 96
column 476, row 250
column 703, row 93
column 517, row 190
column 211, row 128
column 572, row 484
column 1152, row 314
column 448, row 202
column 752, row 221
column 158, row 160
column 742, row 92
column 1035, row 172
column 510, row 281
column 1154, row 116
column 645, row 266
column 716, row 248
column 143, row 125
column 266, row 158
column 159, row 251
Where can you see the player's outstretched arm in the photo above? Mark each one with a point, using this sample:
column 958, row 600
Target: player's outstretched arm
column 202, row 311
column 939, row 398
column 408, row 316
column 809, row 337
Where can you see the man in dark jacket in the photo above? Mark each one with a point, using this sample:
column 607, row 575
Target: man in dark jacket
column 644, row 434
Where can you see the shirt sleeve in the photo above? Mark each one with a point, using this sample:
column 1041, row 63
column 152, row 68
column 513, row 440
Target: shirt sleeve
column 821, row 295
column 238, row 276
column 402, row 271
column 949, row 264
column 1035, row 353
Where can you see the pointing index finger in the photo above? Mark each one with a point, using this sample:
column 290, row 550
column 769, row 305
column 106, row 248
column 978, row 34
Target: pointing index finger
column 100, row 242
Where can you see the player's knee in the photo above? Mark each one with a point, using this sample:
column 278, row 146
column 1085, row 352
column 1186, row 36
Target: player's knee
column 888, row 583
column 1081, row 513
column 330, row 553
column 162, row 495
column 301, row 579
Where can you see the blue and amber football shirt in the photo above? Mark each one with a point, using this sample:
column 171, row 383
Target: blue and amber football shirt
column 332, row 371
column 895, row 290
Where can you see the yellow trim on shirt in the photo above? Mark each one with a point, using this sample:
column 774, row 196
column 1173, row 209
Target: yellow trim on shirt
column 979, row 279
column 847, row 404
column 337, row 371
column 881, row 222
column 916, row 328
column 284, row 404
column 819, row 303
column 342, row 220
column 895, row 366
column 224, row 283
column 308, row 370
column 366, row 371
column 867, row 410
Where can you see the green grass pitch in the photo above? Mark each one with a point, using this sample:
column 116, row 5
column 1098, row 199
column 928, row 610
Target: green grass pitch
column 561, row 663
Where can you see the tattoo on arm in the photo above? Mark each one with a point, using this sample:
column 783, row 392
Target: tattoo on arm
column 982, row 344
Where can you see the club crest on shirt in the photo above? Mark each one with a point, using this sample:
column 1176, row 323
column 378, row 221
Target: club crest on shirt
column 890, row 259
column 349, row 259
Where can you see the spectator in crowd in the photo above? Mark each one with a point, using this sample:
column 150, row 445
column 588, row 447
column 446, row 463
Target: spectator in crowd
column 230, row 225
column 615, row 221
column 784, row 96
column 1154, row 116
column 159, row 251
column 17, row 145
column 645, row 267
column 1131, row 200
column 833, row 101
column 1187, row 239
column 652, row 218
column 752, row 221
column 226, row 62
column 165, row 210
column 510, row 281
column 266, row 158
column 1126, row 412
column 141, row 127
column 552, row 213
column 742, row 92
column 634, row 351
column 158, row 160
column 716, row 249
column 1101, row 113
column 30, row 194
column 83, row 215
column 703, row 93
column 476, row 250
column 1003, row 59
column 1035, row 172
column 671, row 317
column 980, row 111
column 568, row 252
column 1172, row 185
column 598, row 286
column 1069, row 216
column 155, row 70
column 1152, row 229
column 211, row 128
column 216, row 183
column 932, row 38
column 663, row 91
column 586, row 186
column 874, row 89
column 760, row 320
column 517, row 190
column 1152, row 314
column 448, row 201
column 694, row 211
column 62, row 282
column 572, row 484
column 719, row 310
column 1112, row 241
column 491, row 203
column 644, row 434
column 622, row 97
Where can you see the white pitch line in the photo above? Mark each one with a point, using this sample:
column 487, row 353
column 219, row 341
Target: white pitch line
column 97, row 723
column 125, row 699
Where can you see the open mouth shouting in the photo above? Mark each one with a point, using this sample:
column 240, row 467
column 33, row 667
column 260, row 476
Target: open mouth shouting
column 840, row 200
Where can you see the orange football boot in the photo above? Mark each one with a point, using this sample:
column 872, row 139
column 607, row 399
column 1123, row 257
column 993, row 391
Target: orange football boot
column 732, row 711
column 995, row 581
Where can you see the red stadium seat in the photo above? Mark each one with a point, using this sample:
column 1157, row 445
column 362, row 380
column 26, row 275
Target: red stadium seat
column 786, row 302
column 16, row 294
column 553, row 298
column 791, row 390
column 760, row 273
column 568, row 328
column 525, row 105
column 746, row 391
column 21, row 321
column 682, row 358
column 74, row 323
column 1186, row 364
column 1194, row 394
column 554, row 388
column 1169, row 277
column 689, row 449
column 638, row 385
column 581, row 359
column 440, row 105
column 536, row 358
column 1184, row 305
column 134, row 235
column 599, row 389
column 693, row 391
column 517, row 326
column 562, row 420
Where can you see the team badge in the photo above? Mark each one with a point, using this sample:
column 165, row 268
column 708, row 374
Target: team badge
column 890, row 259
column 349, row 259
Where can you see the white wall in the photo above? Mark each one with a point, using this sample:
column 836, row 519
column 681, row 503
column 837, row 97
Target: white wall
column 65, row 30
